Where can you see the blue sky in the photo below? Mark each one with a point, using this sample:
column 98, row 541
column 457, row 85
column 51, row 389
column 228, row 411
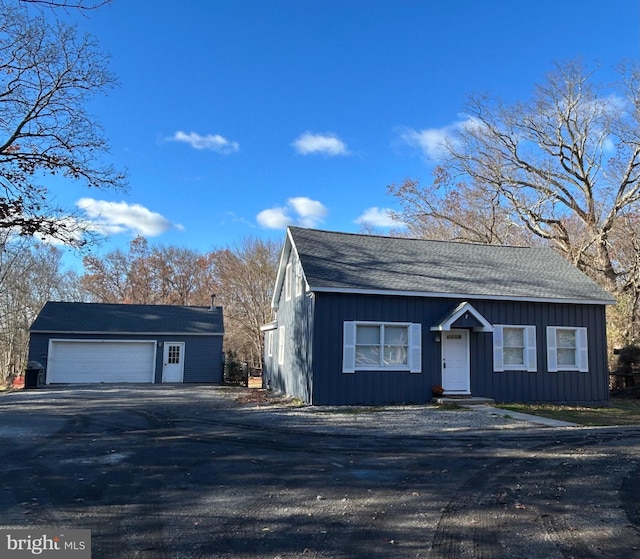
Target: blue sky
column 237, row 117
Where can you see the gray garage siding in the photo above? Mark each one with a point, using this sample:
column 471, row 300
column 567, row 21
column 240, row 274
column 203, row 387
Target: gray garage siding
column 199, row 366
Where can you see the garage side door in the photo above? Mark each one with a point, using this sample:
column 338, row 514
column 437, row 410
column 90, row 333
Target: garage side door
column 105, row 361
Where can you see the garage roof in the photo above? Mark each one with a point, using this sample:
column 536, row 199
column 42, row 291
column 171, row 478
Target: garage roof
column 65, row 317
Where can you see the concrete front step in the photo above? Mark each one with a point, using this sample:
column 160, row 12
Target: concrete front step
column 463, row 400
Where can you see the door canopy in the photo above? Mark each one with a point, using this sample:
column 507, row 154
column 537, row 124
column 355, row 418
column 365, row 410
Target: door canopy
column 463, row 316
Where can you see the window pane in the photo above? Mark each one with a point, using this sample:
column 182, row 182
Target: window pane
column 566, row 357
column 395, row 355
column 368, row 355
column 368, row 335
column 174, row 354
column 513, row 337
column 566, row 338
column 513, row 356
column 396, row 335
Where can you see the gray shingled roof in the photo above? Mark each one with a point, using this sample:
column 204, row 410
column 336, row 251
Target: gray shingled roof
column 351, row 262
column 132, row 319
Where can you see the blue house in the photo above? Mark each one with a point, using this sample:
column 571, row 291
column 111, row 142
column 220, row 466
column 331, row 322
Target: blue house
column 118, row 343
column 370, row 320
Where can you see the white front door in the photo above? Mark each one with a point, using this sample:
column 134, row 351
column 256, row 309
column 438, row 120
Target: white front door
column 455, row 362
column 173, row 364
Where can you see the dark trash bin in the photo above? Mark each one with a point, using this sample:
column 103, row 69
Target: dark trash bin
column 33, row 375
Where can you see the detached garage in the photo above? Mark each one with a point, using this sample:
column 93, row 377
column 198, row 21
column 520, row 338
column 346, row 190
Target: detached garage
column 104, row 343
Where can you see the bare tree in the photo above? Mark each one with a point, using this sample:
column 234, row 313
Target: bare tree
column 564, row 167
column 245, row 277
column 48, row 73
column 150, row 276
column 31, row 273
column 68, row 4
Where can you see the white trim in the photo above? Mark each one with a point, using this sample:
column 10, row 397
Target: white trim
column 461, row 309
column 461, row 296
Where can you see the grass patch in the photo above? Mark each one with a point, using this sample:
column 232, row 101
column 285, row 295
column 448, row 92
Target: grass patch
column 621, row 411
column 452, row 407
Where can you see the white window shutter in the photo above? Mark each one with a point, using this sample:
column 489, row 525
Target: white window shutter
column 552, row 353
column 531, row 349
column 415, row 348
column 349, row 348
column 498, row 353
column 581, row 348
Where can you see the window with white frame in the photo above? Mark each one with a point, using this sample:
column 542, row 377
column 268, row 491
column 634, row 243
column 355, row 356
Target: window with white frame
column 514, row 348
column 281, row 336
column 373, row 346
column 298, row 279
column 287, row 282
column 270, row 343
column 567, row 349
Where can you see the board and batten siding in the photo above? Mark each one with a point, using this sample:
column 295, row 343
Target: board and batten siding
column 332, row 387
column 544, row 386
column 292, row 374
column 203, row 354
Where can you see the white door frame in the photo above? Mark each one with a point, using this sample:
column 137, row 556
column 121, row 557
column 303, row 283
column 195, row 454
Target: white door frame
column 173, row 366
column 463, row 385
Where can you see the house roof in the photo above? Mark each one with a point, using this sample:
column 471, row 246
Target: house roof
column 345, row 262
column 102, row 318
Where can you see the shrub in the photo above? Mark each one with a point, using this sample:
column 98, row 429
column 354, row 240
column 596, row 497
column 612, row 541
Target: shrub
column 235, row 372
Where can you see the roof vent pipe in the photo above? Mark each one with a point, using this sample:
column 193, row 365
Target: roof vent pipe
column 213, row 301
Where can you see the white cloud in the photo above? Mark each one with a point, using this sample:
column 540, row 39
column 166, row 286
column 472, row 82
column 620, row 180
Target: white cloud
column 432, row 141
column 379, row 217
column 298, row 211
column 435, row 142
column 274, row 218
column 325, row 144
column 310, row 212
column 213, row 142
column 111, row 218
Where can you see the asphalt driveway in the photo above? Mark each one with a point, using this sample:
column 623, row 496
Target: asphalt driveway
column 188, row 472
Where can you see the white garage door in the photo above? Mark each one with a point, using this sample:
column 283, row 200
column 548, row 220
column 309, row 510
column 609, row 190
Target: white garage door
column 103, row 361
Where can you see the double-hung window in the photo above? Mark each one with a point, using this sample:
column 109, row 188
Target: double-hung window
column 373, row 346
column 567, row 349
column 514, row 348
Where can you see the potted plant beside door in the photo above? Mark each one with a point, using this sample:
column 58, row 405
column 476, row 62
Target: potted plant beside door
column 437, row 390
